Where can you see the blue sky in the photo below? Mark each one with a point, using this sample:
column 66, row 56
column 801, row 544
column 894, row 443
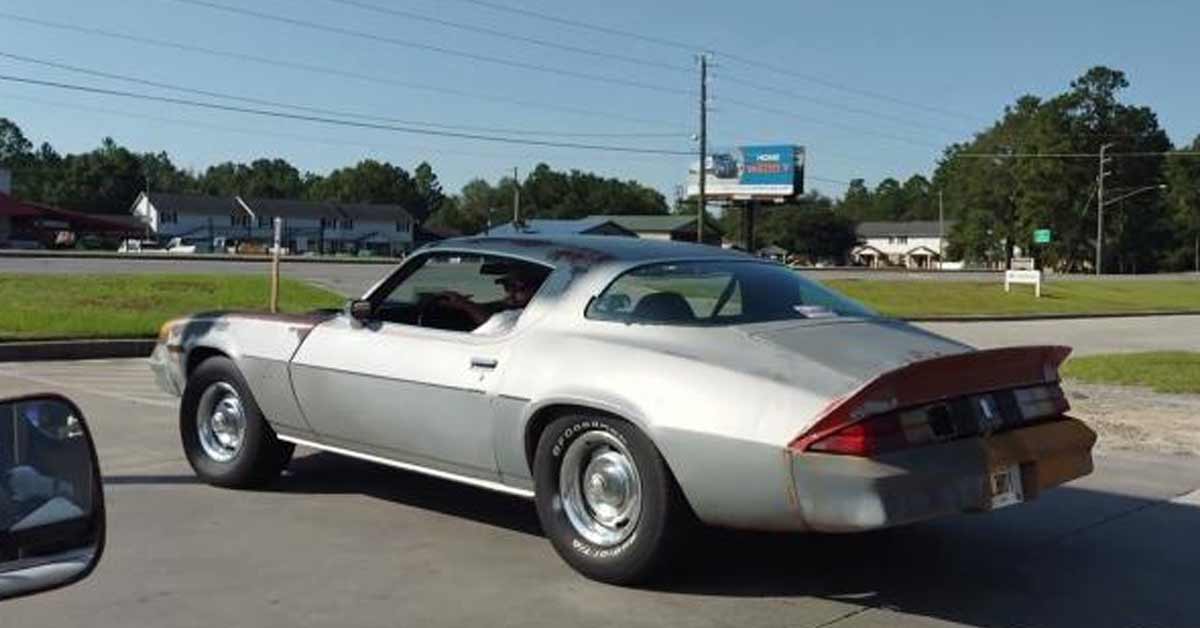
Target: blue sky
column 966, row 59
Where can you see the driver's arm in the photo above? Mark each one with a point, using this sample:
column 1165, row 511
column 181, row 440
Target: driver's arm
column 477, row 312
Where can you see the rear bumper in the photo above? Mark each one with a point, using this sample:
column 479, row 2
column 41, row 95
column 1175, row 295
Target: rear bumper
column 848, row 493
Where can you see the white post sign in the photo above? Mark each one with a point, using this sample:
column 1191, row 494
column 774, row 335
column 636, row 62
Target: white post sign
column 1024, row 277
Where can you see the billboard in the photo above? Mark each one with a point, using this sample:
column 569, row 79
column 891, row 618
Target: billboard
column 770, row 172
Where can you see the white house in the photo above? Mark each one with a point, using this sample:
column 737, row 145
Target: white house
column 325, row 227
column 915, row 244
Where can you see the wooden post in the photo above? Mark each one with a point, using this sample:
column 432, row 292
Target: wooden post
column 278, row 222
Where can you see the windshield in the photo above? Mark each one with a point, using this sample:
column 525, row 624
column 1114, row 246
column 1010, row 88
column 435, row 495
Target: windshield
column 717, row 293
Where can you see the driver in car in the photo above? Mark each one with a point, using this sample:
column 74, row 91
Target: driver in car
column 498, row 317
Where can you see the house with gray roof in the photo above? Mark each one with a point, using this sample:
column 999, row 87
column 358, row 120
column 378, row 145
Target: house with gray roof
column 666, row 226
column 592, row 225
column 212, row 222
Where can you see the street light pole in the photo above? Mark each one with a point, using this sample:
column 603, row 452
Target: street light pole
column 1100, row 209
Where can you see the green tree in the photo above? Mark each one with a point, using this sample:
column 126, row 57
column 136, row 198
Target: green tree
column 1001, row 200
column 858, row 202
column 429, row 190
column 15, row 148
column 469, row 212
column 817, row 233
column 1183, row 189
column 262, row 178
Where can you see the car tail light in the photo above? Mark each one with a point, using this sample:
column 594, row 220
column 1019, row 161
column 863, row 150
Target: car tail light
column 970, row 415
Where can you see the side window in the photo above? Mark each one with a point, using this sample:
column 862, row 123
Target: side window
column 463, row 292
column 674, row 293
column 446, row 273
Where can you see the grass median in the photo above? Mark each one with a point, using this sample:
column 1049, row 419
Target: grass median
column 918, row 298
column 1161, row 371
column 52, row 306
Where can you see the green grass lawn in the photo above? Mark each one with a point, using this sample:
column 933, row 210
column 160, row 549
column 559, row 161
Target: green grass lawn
column 135, row 305
column 915, row 298
column 1163, row 371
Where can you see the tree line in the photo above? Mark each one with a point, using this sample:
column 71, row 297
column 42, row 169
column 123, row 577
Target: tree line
column 1036, row 167
column 1033, row 168
column 107, row 179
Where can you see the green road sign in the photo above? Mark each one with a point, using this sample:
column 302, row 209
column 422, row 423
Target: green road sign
column 1041, row 236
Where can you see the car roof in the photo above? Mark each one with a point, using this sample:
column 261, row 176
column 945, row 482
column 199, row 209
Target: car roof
column 585, row 250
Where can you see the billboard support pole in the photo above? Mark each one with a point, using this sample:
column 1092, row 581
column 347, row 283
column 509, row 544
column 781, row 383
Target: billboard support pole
column 703, row 172
column 748, row 215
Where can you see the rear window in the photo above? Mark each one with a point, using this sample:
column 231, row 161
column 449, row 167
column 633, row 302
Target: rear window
column 717, row 293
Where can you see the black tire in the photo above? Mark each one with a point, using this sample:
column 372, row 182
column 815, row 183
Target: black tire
column 665, row 517
column 261, row 456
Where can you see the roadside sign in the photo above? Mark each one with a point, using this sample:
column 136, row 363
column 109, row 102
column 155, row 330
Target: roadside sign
column 1022, row 263
column 1032, row 277
column 1041, row 236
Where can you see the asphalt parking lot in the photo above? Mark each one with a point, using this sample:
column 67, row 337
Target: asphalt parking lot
column 339, row 542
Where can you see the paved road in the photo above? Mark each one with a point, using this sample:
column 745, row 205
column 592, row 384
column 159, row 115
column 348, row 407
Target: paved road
column 1092, row 335
column 354, row 279
column 344, row 543
column 348, row 279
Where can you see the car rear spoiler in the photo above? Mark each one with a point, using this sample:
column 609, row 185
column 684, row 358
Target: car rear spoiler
column 936, row 379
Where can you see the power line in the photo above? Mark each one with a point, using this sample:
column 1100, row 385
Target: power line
column 287, row 136
column 837, row 125
column 826, row 180
column 375, row 79
column 347, row 32
column 124, row 113
column 511, row 36
column 323, row 111
column 835, row 106
column 752, row 63
column 327, row 70
column 839, row 107
column 339, row 122
column 592, row 27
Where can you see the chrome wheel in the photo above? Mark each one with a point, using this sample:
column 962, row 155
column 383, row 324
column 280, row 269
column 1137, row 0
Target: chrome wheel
column 600, row 488
column 221, row 422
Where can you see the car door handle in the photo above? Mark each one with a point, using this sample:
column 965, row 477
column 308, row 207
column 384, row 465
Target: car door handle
column 483, row 363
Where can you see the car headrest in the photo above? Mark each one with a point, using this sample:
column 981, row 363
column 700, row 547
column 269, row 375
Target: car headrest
column 663, row 307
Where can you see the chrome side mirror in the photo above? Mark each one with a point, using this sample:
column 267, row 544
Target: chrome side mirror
column 51, row 497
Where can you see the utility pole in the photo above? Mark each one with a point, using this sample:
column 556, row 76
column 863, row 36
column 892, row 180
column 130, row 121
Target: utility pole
column 941, row 229
column 516, row 200
column 1100, row 208
column 277, row 227
column 701, row 200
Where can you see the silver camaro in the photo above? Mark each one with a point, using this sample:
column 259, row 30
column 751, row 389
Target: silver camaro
column 631, row 388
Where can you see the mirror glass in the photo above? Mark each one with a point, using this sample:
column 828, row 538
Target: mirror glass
column 51, row 500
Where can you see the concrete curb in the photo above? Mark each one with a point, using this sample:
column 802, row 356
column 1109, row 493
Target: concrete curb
column 75, row 349
column 1043, row 317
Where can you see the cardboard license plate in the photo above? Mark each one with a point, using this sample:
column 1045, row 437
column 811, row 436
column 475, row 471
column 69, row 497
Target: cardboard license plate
column 1006, row 486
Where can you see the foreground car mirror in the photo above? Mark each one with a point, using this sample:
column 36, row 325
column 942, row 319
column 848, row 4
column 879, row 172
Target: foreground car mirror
column 51, row 497
column 359, row 310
